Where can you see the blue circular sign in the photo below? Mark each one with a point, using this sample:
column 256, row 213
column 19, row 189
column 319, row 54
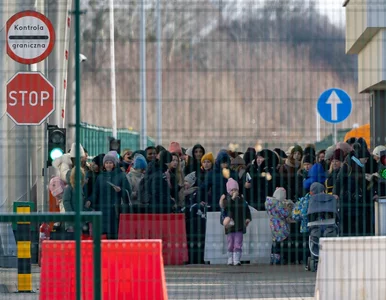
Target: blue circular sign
column 334, row 105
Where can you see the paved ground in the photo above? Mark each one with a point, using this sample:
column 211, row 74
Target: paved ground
column 209, row 282
column 245, row 282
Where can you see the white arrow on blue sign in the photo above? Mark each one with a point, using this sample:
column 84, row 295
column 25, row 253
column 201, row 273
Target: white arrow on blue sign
column 334, row 105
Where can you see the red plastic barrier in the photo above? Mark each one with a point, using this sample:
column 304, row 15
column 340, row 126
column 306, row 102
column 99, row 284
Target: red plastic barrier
column 170, row 228
column 131, row 270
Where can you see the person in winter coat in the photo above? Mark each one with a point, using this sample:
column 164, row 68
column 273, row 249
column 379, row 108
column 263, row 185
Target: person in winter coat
column 299, row 212
column 214, row 184
column 261, row 178
column 356, row 215
column 92, row 174
column 111, row 188
column 207, row 164
column 195, row 219
column 308, row 162
column 236, row 222
column 337, row 160
column 194, row 163
column 315, row 174
column 135, row 176
column 176, row 178
column 249, row 156
column 289, row 172
column 158, row 185
column 69, row 197
column 279, row 212
column 66, row 162
column 126, row 160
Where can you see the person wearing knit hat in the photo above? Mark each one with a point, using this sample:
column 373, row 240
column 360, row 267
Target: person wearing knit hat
column 191, row 179
column 232, row 185
column 309, row 149
column 135, row 178
column 317, row 188
column 235, row 217
column 208, row 156
column 97, row 162
column 207, row 161
column 140, row 162
column 280, row 194
column 279, row 210
column 175, row 147
column 308, row 159
column 111, row 194
column 111, row 156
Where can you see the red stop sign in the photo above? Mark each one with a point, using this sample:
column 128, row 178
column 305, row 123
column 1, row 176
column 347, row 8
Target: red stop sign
column 30, row 98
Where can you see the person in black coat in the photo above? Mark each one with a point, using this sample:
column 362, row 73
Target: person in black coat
column 214, row 185
column 356, row 209
column 110, row 190
column 158, row 185
column 261, row 178
column 236, row 221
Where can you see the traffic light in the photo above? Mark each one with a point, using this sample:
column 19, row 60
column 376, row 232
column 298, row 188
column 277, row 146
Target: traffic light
column 115, row 145
column 56, row 142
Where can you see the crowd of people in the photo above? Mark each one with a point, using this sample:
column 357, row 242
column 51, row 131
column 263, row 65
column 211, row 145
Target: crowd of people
column 193, row 181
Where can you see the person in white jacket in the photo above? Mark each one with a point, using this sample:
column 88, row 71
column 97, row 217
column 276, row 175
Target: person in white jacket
column 64, row 163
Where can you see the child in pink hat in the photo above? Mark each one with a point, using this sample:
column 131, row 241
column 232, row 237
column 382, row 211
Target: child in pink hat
column 237, row 218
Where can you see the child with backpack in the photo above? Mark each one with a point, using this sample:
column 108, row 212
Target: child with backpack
column 237, row 216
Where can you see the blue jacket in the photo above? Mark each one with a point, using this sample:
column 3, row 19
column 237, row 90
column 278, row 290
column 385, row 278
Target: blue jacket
column 315, row 174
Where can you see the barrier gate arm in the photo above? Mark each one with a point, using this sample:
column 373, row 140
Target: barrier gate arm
column 96, row 220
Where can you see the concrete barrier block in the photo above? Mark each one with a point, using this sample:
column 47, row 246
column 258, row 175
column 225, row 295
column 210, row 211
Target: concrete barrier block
column 256, row 244
column 351, row 268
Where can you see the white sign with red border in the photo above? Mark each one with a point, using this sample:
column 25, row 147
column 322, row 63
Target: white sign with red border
column 30, row 37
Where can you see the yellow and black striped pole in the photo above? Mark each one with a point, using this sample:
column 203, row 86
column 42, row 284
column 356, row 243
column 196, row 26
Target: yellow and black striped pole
column 24, row 276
